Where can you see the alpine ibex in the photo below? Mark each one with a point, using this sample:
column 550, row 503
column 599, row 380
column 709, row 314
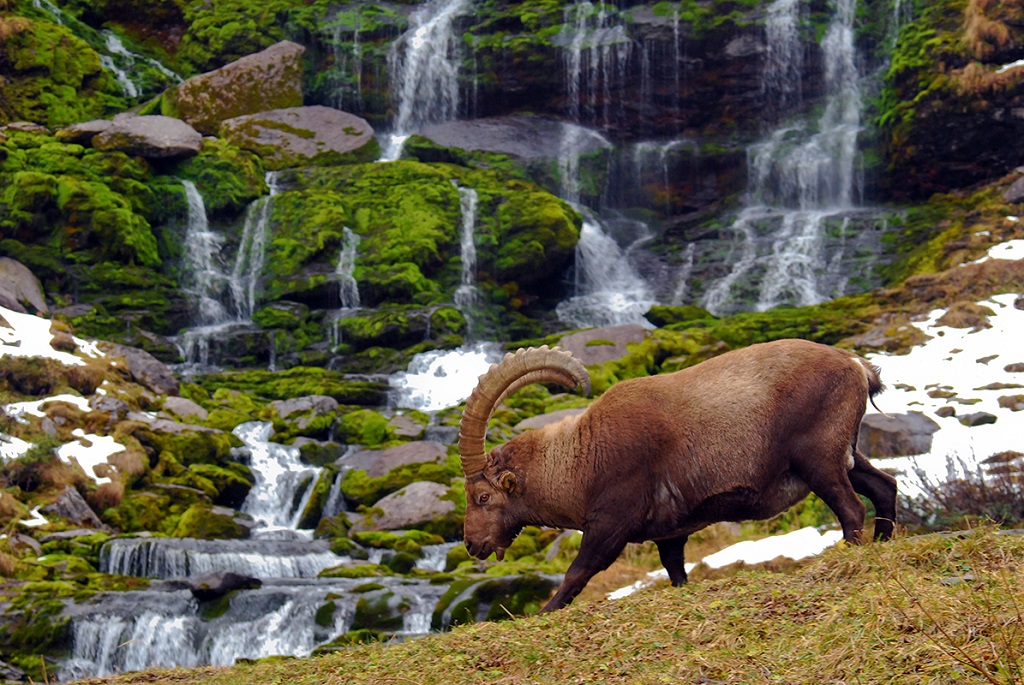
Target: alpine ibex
column 742, row 436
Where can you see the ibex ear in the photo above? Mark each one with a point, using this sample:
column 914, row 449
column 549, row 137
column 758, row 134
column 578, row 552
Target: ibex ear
column 508, row 482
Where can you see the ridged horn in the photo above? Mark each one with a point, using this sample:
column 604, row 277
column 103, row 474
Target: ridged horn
column 515, row 371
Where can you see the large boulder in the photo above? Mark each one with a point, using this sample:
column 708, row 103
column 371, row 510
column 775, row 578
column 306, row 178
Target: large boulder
column 144, row 368
column 216, row 584
column 378, row 463
column 606, row 344
column 19, row 288
column 72, row 507
column 151, row 136
column 303, row 136
column 897, row 435
column 269, row 79
column 414, row 506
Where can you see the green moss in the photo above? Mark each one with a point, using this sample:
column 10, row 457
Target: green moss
column 205, row 523
column 231, row 482
column 360, row 488
column 299, row 381
column 381, row 610
column 228, row 177
column 365, row 427
column 313, row 511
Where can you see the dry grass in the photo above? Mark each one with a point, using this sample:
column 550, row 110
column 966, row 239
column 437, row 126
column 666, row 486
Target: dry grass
column 931, row 609
column 983, row 35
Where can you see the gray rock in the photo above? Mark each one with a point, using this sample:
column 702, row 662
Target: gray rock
column 310, row 406
column 378, row 463
column 216, row 584
column 896, row 436
column 168, row 426
column 72, row 507
column 152, row 137
column 19, row 542
column 20, row 290
column 82, row 133
column 269, row 79
column 144, row 368
column 413, row 506
column 184, row 408
column 1015, row 193
column 979, row 418
column 522, row 137
column 112, row 406
column 583, row 347
column 303, row 136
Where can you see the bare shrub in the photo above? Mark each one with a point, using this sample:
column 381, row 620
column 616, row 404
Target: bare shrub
column 997, row 496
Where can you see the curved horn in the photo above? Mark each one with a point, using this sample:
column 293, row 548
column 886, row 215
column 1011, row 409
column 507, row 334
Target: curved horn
column 515, row 371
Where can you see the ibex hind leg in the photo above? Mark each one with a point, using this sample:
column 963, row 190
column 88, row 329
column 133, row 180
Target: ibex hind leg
column 880, row 488
column 834, row 488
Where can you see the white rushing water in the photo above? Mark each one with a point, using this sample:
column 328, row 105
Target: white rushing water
column 119, row 632
column 153, row 557
column 274, row 501
column 222, row 298
column 424, row 71
column 443, row 378
column 802, row 175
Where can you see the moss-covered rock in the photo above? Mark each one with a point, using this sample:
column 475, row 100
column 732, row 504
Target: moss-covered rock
column 232, row 482
column 204, row 522
column 492, row 599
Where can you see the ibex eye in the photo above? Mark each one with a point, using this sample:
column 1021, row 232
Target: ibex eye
column 484, row 498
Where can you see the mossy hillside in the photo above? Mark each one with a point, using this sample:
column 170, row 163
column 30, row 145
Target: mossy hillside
column 295, row 382
column 54, row 78
column 408, row 215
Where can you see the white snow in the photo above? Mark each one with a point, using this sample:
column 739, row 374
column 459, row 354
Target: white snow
column 89, row 451
column 29, row 336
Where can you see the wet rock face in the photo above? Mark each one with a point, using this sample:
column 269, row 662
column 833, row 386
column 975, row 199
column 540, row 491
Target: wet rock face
column 270, row 79
column 303, row 136
column 153, row 137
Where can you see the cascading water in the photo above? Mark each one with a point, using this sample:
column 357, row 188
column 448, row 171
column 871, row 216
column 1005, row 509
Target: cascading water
column 348, row 287
column 467, row 295
column 800, row 179
column 274, row 501
column 424, row 67
column 222, row 299
column 116, row 632
column 607, row 290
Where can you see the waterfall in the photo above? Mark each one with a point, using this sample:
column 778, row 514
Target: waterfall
column 608, row 290
column 283, row 483
column 801, row 177
column 123, row 631
column 467, row 295
column 596, row 62
column 347, row 80
column 222, row 299
column 440, row 379
column 348, row 287
column 424, row 69
column 152, row 557
column 202, row 275
column 252, row 250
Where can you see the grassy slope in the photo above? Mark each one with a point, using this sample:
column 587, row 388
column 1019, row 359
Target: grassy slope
column 935, row 609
